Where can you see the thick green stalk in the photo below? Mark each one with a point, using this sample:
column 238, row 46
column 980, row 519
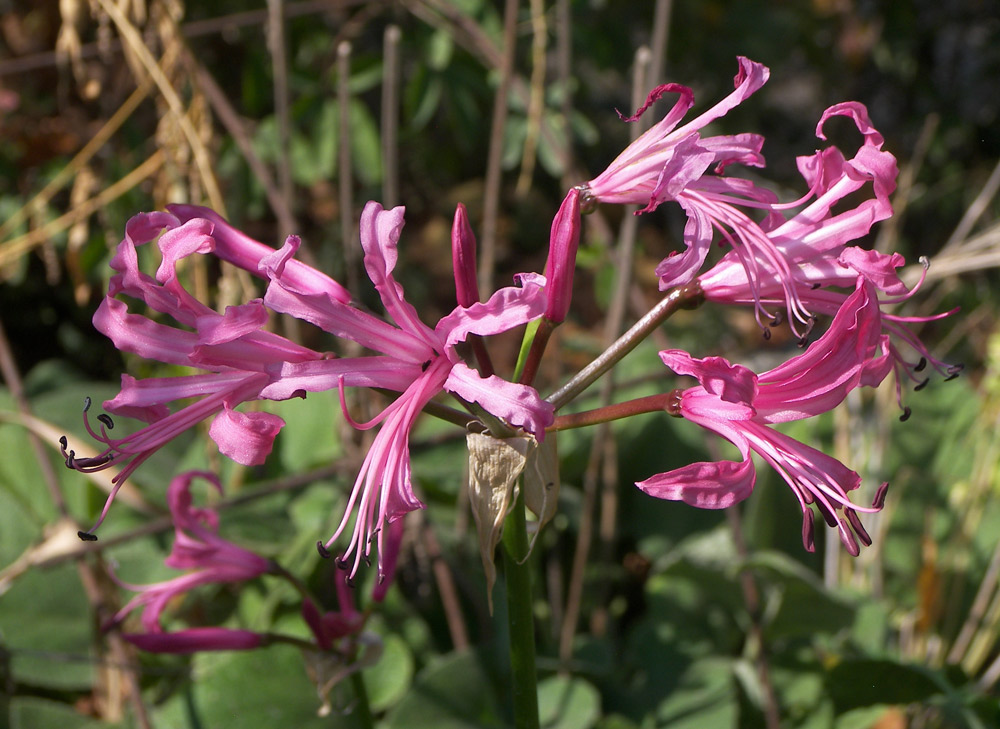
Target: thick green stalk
column 524, row 679
column 362, row 708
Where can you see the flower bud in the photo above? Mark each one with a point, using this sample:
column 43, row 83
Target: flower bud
column 563, row 243
column 463, row 255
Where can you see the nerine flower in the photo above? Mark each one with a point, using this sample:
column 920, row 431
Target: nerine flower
column 739, row 405
column 246, row 363
column 210, row 559
column 812, row 256
column 383, row 491
column 668, row 162
column 231, row 347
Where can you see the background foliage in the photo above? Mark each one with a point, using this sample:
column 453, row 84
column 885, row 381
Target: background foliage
column 686, row 618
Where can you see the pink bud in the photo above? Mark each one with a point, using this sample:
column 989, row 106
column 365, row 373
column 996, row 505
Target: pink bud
column 463, row 255
column 193, row 640
column 563, row 243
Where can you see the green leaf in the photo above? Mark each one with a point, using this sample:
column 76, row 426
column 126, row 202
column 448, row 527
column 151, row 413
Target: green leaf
column 366, row 145
column 309, row 438
column 452, row 693
column 32, row 713
column 566, row 702
column 862, row 682
column 47, row 628
column 264, row 689
column 705, row 698
column 389, row 679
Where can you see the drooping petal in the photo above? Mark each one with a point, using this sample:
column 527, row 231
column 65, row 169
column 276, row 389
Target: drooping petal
column 519, row 405
column 680, row 268
column 507, row 309
column 706, row 485
column 247, row 438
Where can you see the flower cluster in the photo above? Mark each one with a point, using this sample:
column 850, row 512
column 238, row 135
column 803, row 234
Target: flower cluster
column 794, row 261
column 787, row 268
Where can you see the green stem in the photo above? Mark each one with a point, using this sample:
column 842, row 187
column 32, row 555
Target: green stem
column 362, row 708
column 520, row 620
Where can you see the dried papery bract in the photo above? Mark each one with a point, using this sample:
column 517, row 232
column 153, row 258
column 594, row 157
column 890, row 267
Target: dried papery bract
column 494, row 466
column 541, row 485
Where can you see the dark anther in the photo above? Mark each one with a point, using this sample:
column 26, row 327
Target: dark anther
column 848, row 539
column 341, row 563
column 63, row 442
column 323, row 551
column 802, row 343
column 816, row 285
column 767, row 334
column 381, row 578
column 828, row 514
column 809, row 530
column 87, row 536
column 778, row 319
column 70, row 459
column 350, row 582
column 425, row 365
column 906, row 414
column 86, row 404
column 953, row 372
column 436, row 353
column 859, row 529
column 920, row 365
column 374, row 535
column 367, row 559
column 922, row 385
column 879, row 501
column 107, row 421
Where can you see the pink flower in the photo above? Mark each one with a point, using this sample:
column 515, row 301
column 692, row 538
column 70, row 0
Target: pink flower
column 811, row 249
column 247, row 363
column 417, row 360
column 668, row 163
column 210, row 559
column 738, row 405
column 665, row 161
column 232, row 347
column 809, row 253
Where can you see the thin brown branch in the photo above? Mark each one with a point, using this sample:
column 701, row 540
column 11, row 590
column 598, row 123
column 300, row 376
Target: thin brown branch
column 536, row 96
column 279, row 71
column 494, row 171
column 234, row 126
column 446, row 588
column 390, row 116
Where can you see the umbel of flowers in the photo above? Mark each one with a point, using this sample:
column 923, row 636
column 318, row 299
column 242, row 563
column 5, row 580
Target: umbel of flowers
column 787, row 261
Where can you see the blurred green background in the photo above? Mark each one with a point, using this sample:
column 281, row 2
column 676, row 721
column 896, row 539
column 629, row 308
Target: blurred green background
column 680, row 618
